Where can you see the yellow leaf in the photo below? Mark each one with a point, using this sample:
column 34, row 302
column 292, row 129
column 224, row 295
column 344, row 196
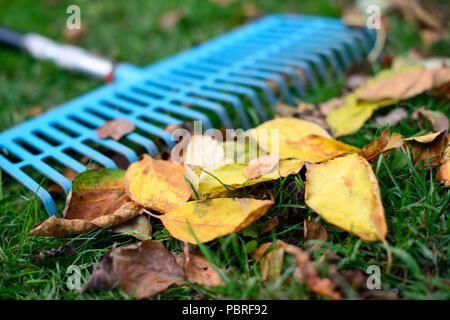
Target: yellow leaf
column 232, row 176
column 315, row 148
column 210, row 219
column 345, row 192
column 157, row 184
column 353, row 113
column 281, row 132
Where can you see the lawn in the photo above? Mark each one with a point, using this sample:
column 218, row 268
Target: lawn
column 416, row 205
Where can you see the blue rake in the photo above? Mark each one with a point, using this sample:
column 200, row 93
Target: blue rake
column 227, row 82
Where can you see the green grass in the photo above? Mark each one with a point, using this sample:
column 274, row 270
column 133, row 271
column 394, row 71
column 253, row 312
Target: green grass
column 416, row 205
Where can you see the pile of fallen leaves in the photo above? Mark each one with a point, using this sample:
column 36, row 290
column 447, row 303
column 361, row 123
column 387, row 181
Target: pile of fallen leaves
column 196, row 200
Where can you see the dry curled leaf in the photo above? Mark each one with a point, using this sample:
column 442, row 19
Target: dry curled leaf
column 272, row 262
column 334, row 103
column 382, row 144
column 392, row 118
column 142, row 270
column 355, row 111
column 210, row 219
column 406, row 84
column 279, row 133
column 443, row 174
column 170, row 19
column 260, row 166
column 115, row 129
column 139, row 224
column 62, row 228
column 75, row 35
column 345, row 192
column 197, row 269
column 314, row 230
column 269, row 226
column 65, row 250
column 157, row 184
column 307, row 274
column 428, row 146
column 96, row 193
column 438, row 120
column 232, row 176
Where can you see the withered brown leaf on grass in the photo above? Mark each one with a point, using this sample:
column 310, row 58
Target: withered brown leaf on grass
column 142, row 270
column 406, row 84
column 157, row 184
column 307, row 273
column 171, row 19
column 392, row 118
column 443, row 174
column 438, row 120
column 382, row 144
column 269, row 226
column 62, row 228
column 139, row 224
column 97, row 200
column 428, row 146
column 272, row 262
column 96, row 193
column 314, row 230
column 115, row 129
column 197, row 269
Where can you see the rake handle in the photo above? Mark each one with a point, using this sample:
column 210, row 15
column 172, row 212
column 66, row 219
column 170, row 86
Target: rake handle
column 11, row 38
column 64, row 55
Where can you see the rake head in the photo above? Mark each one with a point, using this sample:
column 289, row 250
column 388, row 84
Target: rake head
column 229, row 82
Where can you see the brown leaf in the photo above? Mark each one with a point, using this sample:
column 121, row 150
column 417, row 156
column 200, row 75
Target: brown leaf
column 140, row 224
column 428, row 146
column 438, row 120
column 115, row 129
column 96, row 193
column 406, row 84
column 198, row 270
column 62, row 228
column 142, row 270
column 270, row 225
column 413, row 11
column 250, row 10
column 222, row 3
column 76, row 35
column 260, row 166
column 430, row 36
column 314, row 230
column 443, row 174
column 332, row 104
column 272, row 262
column 171, row 18
column 383, row 144
column 307, row 273
column 65, row 250
column 356, row 80
column 392, row 118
